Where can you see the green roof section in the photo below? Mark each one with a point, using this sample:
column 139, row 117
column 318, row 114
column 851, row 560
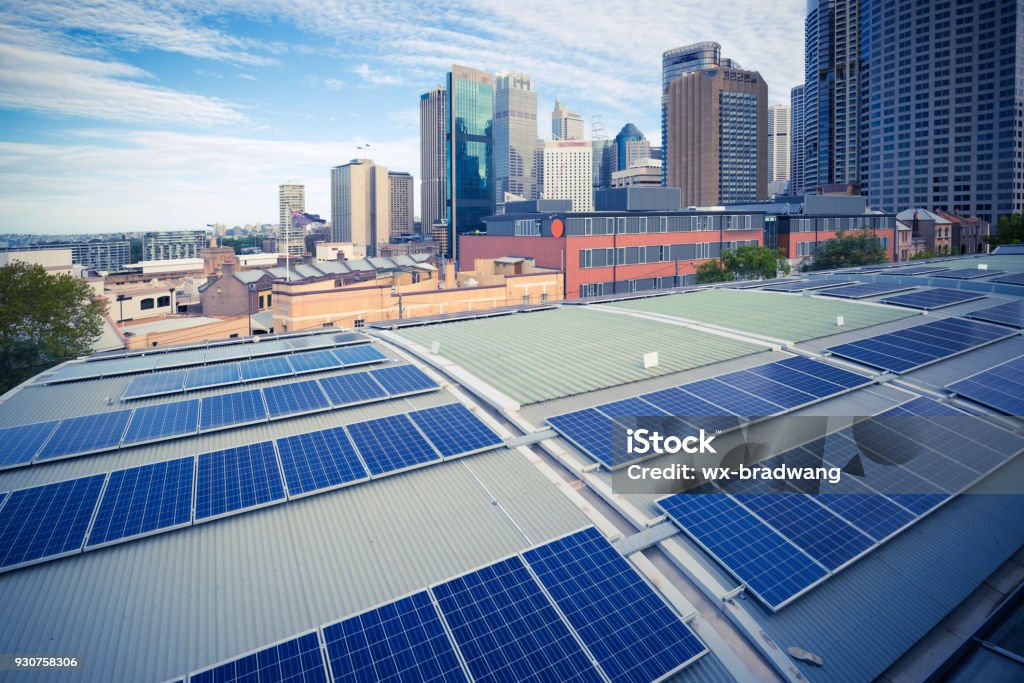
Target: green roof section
column 791, row 317
column 540, row 356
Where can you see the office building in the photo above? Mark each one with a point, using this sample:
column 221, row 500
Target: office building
column 602, row 163
column 796, row 140
column 630, row 148
column 645, row 175
column 565, row 124
column 778, row 142
column 174, row 244
column 401, row 199
column 568, row 172
column 433, row 179
column 108, row 256
column 716, row 123
column 360, row 204
column 515, row 136
column 469, row 141
column 944, row 130
column 291, row 239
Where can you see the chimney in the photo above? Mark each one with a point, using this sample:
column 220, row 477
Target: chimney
column 227, row 268
column 449, row 274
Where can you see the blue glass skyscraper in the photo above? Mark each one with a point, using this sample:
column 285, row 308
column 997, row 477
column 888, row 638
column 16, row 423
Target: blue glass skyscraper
column 469, row 140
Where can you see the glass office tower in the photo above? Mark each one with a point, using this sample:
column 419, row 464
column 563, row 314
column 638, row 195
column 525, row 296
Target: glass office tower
column 469, row 138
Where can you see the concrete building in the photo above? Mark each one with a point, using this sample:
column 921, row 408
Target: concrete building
column 433, row 155
column 779, row 140
column 469, row 144
column 401, row 199
column 568, row 172
column 108, row 256
column 53, row 261
column 334, row 251
column 565, row 124
column 361, row 204
column 796, row 141
column 648, row 175
column 237, row 293
column 515, row 136
column 291, row 239
column 173, row 244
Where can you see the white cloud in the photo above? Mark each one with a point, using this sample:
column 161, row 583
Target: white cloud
column 374, row 77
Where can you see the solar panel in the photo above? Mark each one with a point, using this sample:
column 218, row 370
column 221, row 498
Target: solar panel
column 863, row 290
column 391, row 443
column 264, row 368
column 930, row 299
column 45, row 522
column 212, row 376
column 175, row 359
column 295, row 398
column 359, row 355
column 913, row 347
column 356, row 387
column 347, row 338
column 507, row 630
column 816, row 386
column 319, row 460
column 589, row 430
column 298, row 660
column 915, row 270
column 312, row 342
column 86, row 434
column 227, row 410
column 731, row 399
column 152, row 423
column 1015, row 279
column 403, row 379
column 1011, row 314
column 1000, row 387
column 23, row 442
column 631, row 632
column 313, row 361
column 403, row 640
column 968, row 273
column 269, row 348
column 236, row 479
column 145, row 499
column 675, row 401
column 805, row 285
column 454, row 430
column 222, row 352
column 155, row 384
column 769, row 390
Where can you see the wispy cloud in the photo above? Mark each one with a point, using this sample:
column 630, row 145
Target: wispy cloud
column 375, row 77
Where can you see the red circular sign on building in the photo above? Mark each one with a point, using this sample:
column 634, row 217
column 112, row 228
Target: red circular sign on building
column 557, row 228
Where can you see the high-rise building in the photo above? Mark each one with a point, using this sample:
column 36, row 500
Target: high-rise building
column 469, row 141
column 602, row 168
column 565, row 124
column 631, row 148
column 568, row 172
column 291, row 197
column 796, row 140
column 360, row 205
column 944, row 83
column 716, row 129
column 102, row 255
column 778, row 142
column 515, row 136
column 172, row 244
column 433, row 180
column 401, row 198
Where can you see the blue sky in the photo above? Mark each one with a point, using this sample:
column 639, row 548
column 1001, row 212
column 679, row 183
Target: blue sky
column 146, row 115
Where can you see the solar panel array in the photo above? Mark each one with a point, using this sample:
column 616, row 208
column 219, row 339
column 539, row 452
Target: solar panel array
column 710, row 404
column 930, row 299
column 570, row 610
column 915, row 270
column 149, row 361
column 968, row 273
column 1014, row 279
column 782, row 544
column 1000, row 387
column 46, row 522
column 1010, row 314
column 864, row 290
column 178, row 381
column 912, row 347
column 78, row 436
column 805, row 285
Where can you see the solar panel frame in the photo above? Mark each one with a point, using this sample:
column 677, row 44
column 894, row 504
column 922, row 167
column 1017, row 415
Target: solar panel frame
column 914, row 270
column 319, row 461
column 354, row 356
column 864, row 290
column 183, row 413
column 23, row 442
column 404, row 380
column 270, row 664
column 214, row 413
column 1012, row 279
column 583, row 429
column 265, row 368
column 209, row 376
column 313, row 361
column 155, row 384
column 295, row 398
column 968, row 273
column 258, row 462
column 84, row 435
column 443, row 424
column 1010, row 314
column 994, row 387
column 805, row 285
column 352, row 388
column 394, row 440
column 932, row 299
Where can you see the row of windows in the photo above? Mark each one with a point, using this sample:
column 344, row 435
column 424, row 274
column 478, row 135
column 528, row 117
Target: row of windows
column 664, row 253
column 637, row 285
column 632, row 225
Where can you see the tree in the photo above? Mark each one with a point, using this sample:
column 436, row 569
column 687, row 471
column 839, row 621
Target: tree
column 1009, row 230
column 712, row 271
column 747, row 262
column 860, row 248
column 44, row 320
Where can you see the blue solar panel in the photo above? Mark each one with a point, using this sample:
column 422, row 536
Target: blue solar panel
column 675, row 401
column 825, row 372
column 874, row 514
column 1011, row 314
column 356, row 387
column 155, row 384
column 802, row 286
column 236, row 479
column 263, row 368
column 590, row 430
column 348, row 338
column 968, row 273
column 731, row 399
column 298, row 660
column 507, row 630
column 632, row 633
column 807, row 384
column 144, row 499
column 403, row 379
column 631, row 407
column 295, row 398
column 359, row 355
column 20, row 444
column 212, row 376
column 87, row 434
column 238, row 408
column 401, row 642
column 767, row 389
column 47, row 521
column 313, row 361
column 863, row 290
column 930, row 299
column 319, row 460
column 1015, row 279
column 453, row 429
column 163, row 421
column 391, row 443
column 1001, row 387
column 915, row 270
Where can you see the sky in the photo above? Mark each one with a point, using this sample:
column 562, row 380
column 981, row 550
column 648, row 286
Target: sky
column 124, row 115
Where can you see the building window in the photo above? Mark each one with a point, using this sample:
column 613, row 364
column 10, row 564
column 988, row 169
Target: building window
column 328, row 324
column 146, row 305
column 163, row 301
column 360, row 323
column 544, row 297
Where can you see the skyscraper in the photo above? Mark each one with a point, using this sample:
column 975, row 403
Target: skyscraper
column 469, row 141
column 400, row 195
column 360, row 204
column 778, row 144
column 433, row 180
column 515, row 136
column 565, row 124
column 796, row 140
column 291, row 197
column 630, row 148
column 944, row 83
column 172, row 244
column 568, row 172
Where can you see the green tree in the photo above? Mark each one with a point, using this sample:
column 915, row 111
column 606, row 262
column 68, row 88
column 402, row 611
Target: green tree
column 860, row 248
column 44, row 320
column 712, row 271
column 744, row 263
column 1009, row 230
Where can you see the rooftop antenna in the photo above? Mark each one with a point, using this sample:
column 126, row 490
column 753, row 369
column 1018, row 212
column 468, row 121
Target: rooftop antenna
column 597, row 129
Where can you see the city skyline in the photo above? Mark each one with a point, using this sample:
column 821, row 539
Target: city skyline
column 189, row 116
